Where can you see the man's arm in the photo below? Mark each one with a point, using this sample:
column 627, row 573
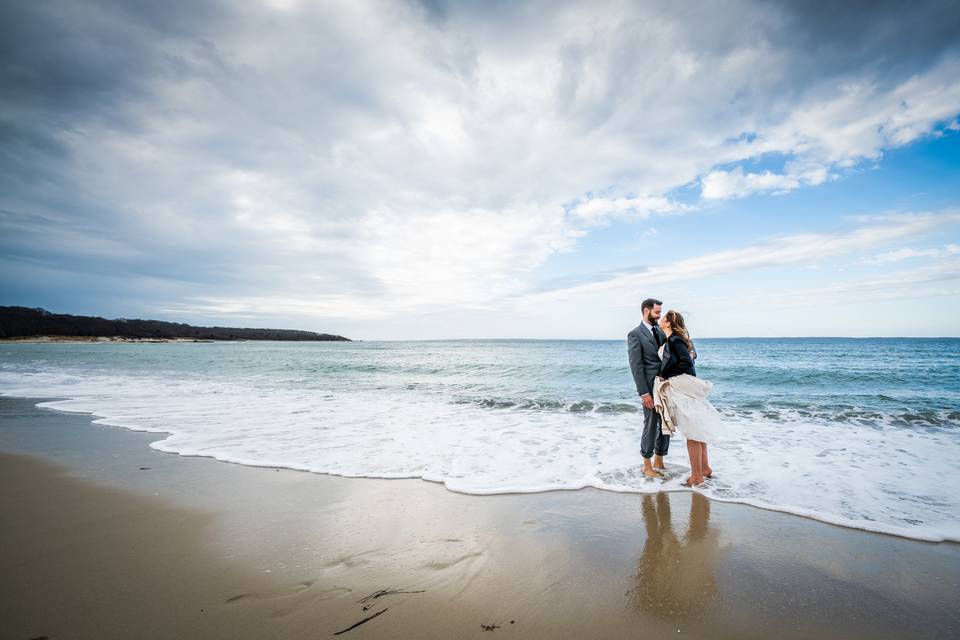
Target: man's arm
column 635, row 353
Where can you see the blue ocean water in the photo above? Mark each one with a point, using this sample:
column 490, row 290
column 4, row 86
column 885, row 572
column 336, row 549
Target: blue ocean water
column 859, row 432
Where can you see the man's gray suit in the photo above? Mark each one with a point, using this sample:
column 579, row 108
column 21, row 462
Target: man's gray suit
column 642, row 350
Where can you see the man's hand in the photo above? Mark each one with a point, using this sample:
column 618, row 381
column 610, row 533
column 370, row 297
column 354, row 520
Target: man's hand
column 693, row 355
column 647, row 400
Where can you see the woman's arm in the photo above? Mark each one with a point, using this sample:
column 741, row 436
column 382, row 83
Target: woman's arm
column 677, row 359
column 684, row 363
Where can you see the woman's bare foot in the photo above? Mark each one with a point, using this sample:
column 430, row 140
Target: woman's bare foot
column 705, row 461
column 693, row 481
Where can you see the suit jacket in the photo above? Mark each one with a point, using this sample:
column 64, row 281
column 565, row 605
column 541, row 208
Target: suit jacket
column 676, row 358
column 642, row 350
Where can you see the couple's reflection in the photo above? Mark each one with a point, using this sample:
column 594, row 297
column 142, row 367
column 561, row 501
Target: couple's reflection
column 675, row 576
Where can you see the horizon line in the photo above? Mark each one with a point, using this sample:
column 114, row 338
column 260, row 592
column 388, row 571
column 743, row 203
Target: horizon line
column 621, row 339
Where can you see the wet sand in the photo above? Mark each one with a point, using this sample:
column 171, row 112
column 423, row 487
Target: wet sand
column 102, row 537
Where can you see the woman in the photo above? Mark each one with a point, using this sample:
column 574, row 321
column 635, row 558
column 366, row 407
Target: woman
column 686, row 397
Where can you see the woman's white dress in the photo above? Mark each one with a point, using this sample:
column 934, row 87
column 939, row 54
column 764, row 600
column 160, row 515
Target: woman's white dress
column 692, row 413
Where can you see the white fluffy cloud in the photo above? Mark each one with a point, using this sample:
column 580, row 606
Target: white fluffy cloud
column 858, row 122
column 721, row 184
column 594, row 211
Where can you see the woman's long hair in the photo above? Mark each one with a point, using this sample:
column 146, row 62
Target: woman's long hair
column 678, row 326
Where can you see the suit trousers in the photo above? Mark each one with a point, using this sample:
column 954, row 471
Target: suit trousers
column 652, row 441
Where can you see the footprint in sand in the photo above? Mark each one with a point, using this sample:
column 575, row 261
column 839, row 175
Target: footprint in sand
column 333, row 592
column 459, row 572
column 291, row 592
column 283, row 592
column 351, row 560
column 446, row 564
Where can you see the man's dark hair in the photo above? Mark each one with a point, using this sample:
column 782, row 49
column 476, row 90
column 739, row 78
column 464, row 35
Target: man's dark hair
column 649, row 303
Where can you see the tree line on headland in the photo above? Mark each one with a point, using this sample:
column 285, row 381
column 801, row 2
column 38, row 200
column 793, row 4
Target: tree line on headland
column 23, row 322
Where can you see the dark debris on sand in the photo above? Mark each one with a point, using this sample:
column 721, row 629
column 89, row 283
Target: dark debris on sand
column 368, row 601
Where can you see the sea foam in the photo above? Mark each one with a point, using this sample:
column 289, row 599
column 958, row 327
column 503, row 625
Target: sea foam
column 879, row 476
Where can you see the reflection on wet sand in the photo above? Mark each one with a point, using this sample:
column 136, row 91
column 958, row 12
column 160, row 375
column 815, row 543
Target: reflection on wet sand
column 675, row 578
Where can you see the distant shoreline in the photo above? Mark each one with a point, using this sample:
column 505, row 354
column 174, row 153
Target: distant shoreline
column 40, row 325
column 101, row 339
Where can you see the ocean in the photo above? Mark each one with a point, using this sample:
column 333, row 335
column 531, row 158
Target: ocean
column 862, row 433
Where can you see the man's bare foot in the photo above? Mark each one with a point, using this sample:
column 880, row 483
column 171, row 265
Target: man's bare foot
column 658, row 463
column 652, row 473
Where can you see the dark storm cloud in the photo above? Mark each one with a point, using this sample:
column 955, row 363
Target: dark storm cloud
column 64, row 65
column 82, row 57
column 891, row 38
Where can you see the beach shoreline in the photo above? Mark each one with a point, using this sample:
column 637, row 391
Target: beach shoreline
column 494, row 419
column 100, row 339
column 106, row 537
column 161, row 436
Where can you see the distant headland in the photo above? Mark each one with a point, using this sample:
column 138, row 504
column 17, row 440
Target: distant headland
column 19, row 323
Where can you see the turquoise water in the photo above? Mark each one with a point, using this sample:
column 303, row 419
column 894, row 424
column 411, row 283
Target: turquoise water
column 860, row 432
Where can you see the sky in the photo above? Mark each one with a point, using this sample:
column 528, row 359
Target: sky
column 392, row 170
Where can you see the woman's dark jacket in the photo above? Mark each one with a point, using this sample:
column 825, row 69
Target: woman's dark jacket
column 676, row 358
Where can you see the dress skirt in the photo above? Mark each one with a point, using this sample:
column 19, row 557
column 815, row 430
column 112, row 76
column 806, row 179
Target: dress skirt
column 691, row 413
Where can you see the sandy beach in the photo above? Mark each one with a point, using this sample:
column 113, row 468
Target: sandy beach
column 103, row 537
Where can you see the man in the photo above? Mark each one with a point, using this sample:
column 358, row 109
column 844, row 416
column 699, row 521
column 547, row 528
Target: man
column 643, row 343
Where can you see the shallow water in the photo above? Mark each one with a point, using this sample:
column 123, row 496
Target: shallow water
column 859, row 432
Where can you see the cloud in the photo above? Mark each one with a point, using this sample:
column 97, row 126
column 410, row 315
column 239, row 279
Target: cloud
column 857, row 123
column 937, row 280
column 906, row 253
column 594, row 211
column 721, row 184
column 803, row 249
column 378, row 158
column 481, row 254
